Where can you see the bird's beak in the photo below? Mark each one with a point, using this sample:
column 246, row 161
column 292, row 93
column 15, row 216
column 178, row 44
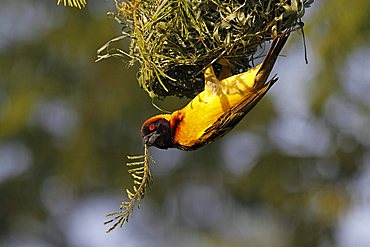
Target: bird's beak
column 150, row 138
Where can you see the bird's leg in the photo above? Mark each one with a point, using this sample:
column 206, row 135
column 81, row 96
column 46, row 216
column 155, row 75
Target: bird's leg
column 227, row 86
column 211, row 82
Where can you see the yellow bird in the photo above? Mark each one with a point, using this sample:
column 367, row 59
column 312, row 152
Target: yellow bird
column 216, row 110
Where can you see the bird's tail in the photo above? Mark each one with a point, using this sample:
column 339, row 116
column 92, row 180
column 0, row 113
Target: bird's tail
column 270, row 59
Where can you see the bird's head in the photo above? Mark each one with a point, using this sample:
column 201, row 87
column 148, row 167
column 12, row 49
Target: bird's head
column 156, row 131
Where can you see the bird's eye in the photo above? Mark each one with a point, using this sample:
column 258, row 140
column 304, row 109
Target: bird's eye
column 151, row 127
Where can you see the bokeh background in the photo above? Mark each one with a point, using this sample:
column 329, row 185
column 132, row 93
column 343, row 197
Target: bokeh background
column 295, row 172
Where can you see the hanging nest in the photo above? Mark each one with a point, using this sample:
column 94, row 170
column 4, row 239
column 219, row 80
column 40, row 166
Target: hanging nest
column 175, row 40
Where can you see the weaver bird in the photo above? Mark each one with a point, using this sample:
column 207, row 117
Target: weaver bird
column 216, row 110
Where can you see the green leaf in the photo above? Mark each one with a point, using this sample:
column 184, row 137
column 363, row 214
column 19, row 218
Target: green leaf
column 142, row 178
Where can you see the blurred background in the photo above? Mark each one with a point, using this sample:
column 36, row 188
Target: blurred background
column 294, row 172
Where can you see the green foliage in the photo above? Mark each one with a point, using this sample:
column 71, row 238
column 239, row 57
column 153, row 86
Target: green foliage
column 142, row 179
column 175, row 40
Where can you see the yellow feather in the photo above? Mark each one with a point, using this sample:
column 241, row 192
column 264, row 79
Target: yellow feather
column 217, row 98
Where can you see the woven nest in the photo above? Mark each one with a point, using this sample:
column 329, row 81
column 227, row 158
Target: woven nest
column 174, row 40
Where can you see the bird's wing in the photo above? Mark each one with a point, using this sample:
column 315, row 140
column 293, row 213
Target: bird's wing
column 253, row 85
column 230, row 118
